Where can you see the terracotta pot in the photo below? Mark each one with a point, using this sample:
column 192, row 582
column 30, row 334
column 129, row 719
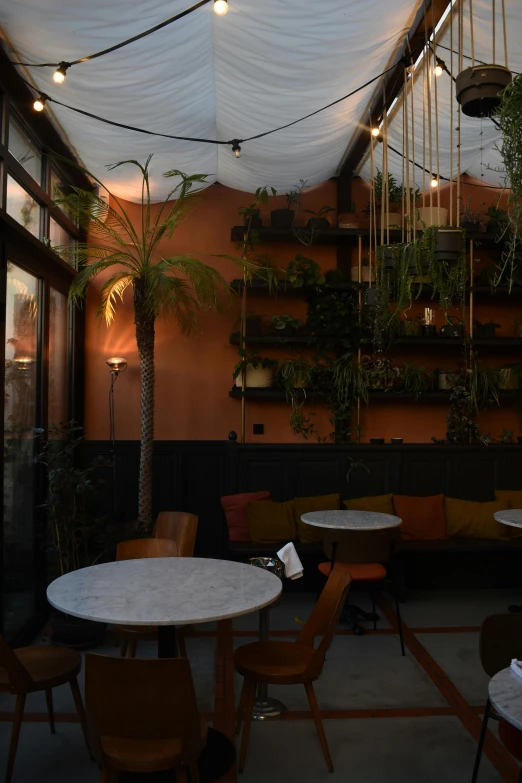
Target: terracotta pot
column 479, row 89
column 348, row 220
column 431, row 216
column 257, row 377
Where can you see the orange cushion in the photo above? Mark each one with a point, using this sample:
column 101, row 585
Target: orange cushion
column 512, row 498
column 472, row 519
column 423, row 518
column 383, row 504
column 308, row 534
column 360, row 572
column 236, row 513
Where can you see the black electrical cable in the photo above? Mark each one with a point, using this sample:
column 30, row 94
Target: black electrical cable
column 440, row 176
column 467, row 57
column 114, row 48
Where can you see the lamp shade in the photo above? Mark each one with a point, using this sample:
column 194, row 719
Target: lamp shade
column 116, row 363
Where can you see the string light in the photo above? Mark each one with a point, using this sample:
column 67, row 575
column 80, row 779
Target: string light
column 438, row 70
column 376, row 132
column 221, row 7
column 236, row 149
column 434, row 181
column 61, row 72
column 40, row 102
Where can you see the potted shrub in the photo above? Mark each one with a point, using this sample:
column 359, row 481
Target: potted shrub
column 412, row 327
column 445, row 379
column 365, row 272
column 454, row 328
column 319, row 221
column 348, row 219
column 479, row 89
column 285, row 218
column 73, row 529
column 380, row 373
column 470, row 220
column 484, row 331
column 252, row 214
column 259, row 372
column 285, row 324
column 498, row 221
column 302, row 271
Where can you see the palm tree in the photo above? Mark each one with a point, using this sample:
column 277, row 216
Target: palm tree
column 175, row 286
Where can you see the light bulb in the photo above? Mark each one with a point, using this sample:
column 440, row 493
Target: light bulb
column 220, row 7
column 438, row 70
column 61, row 72
column 236, row 149
column 375, row 132
column 434, row 182
column 39, row 103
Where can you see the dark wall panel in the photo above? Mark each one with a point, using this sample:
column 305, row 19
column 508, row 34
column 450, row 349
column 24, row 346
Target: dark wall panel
column 423, row 475
column 317, row 477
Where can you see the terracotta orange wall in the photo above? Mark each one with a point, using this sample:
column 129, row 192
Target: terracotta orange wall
column 194, row 374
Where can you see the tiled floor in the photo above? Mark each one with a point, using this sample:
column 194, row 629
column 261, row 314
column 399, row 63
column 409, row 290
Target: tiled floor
column 388, row 719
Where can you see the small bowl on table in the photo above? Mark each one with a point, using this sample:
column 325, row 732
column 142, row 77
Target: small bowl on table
column 377, row 441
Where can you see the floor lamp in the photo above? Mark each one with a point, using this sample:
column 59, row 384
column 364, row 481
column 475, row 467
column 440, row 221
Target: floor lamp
column 116, row 365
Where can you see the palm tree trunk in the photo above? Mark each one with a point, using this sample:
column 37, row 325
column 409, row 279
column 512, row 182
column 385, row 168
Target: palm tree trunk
column 145, row 338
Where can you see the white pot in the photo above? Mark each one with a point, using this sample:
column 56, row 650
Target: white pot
column 365, row 274
column 257, row 377
column 392, row 220
column 446, row 380
column 431, row 216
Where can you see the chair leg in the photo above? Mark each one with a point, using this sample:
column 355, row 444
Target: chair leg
column 373, row 609
column 123, row 647
column 250, row 698
column 181, row 775
column 50, row 708
column 481, row 742
column 15, row 734
column 77, row 696
column 182, row 646
column 241, row 709
column 194, row 772
column 105, row 775
column 399, row 621
column 318, row 724
column 132, row 648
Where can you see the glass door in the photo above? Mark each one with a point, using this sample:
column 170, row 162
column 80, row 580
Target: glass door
column 21, row 394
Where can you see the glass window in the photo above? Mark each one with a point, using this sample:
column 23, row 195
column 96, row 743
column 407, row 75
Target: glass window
column 21, row 373
column 59, row 189
column 22, row 206
column 59, row 237
column 58, row 351
column 25, row 152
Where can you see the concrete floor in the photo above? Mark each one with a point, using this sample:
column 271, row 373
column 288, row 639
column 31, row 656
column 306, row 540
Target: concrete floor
column 388, row 719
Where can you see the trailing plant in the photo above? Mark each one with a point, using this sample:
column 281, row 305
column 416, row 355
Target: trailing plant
column 252, row 359
column 393, row 292
column 341, row 383
column 380, row 373
column 295, row 376
column 302, row 271
column 510, row 120
column 416, row 379
column 447, row 278
column 334, row 321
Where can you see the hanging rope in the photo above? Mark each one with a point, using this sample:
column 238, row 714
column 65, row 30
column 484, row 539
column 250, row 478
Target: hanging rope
column 451, row 128
column 494, row 30
column 472, row 36
column 504, row 30
column 414, row 188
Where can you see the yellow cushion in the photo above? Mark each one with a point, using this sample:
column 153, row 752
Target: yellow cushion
column 307, row 533
column 271, row 522
column 511, row 498
column 380, row 503
column 471, row 519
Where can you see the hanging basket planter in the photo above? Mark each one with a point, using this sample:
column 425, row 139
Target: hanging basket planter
column 479, row 89
column 448, row 243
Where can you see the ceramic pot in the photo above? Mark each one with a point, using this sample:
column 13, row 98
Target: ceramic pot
column 348, row 220
column 257, row 377
column 431, row 216
column 365, row 274
column 479, row 89
column 448, row 244
column 318, row 224
column 396, row 441
column 255, row 221
column 446, row 381
column 282, row 218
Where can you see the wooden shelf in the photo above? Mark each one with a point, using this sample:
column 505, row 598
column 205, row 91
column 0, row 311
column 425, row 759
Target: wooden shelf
column 274, row 393
column 336, row 236
column 260, row 287
column 509, row 343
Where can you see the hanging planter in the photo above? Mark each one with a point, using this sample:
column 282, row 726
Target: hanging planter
column 448, row 243
column 479, row 89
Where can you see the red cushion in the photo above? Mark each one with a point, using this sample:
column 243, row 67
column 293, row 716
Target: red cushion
column 360, row 572
column 423, row 518
column 236, row 513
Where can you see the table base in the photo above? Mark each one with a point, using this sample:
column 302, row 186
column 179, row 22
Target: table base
column 214, row 761
column 167, row 643
column 268, row 709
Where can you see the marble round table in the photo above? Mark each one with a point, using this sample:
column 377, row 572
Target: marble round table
column 351, row 520
column 505, row 693
column 165, row 592
column 511, row 517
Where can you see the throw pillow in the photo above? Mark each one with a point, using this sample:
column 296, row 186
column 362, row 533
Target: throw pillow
column 307, row 533
column 423, row 518
column 511, row 498
column 381, row 503
column 471, row 519
column 236, row 514
column 272, row 523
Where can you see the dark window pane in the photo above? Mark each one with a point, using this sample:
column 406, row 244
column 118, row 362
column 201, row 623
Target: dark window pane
column 22, row 207
column 25, row 152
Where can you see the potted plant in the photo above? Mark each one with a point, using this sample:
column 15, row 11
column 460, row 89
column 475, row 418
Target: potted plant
column 348, row 219
column 380, row 373
column 366, row 277
column 446, row 379
column 498, row 221
column 416, row 379
column 479, row 89
column 484, row 331
column 453, row 328
column 285, row 324
column 412, row 327
column 294, row 374
column 510, row 120
column 470, row 220
column 285, row 218
column 392, row 216
column 72, row 526
column 258, row 371
column 443, row 251
column 252, row 214
column 319, row 221
column 302, row 272
column 510, row 377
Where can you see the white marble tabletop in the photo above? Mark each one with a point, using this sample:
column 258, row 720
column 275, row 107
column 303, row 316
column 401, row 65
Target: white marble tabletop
column 505, row 692
column 164, row 591
column 351, row 520
column 512, row 517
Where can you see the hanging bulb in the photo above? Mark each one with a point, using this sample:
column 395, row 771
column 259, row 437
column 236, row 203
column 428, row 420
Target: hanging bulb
column 39, row 103
column 236, row 149
column 220, row 7
column 60, row 73
column 376, row 132
column 434, row 182
column 438, row 70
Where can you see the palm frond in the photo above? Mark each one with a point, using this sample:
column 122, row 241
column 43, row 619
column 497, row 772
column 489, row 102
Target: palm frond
column 80, row 283
column 211, row 290
column 115, row 286
column 175, row 297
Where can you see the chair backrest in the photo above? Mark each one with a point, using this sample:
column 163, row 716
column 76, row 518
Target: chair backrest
column 361, row 546
column 325, row 614
column 146, row 547
column 138, row 698
column 19, row 678
column 500, row 641
column 181, row 527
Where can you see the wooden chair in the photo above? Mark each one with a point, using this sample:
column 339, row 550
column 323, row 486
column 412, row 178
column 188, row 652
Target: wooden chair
column 181, row 527
column 33, row 669
column 292, row 663
column 143, row 716
column 500, row 641
column 136, row 550
column 363, row 554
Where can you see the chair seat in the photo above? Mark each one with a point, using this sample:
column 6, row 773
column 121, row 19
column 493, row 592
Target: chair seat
column 360, row 572
column 276, row 662
column 47, row 667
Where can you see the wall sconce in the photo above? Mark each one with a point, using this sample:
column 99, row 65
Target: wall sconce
column 116, row 364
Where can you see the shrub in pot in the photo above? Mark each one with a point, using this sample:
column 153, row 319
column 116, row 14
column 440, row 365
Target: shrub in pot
column 252, row 214
column 259, row 372
column 484, row 331
column 470, row 220
column 285, row 218
column 302, row 271
column 479, row 89
column 319, row 221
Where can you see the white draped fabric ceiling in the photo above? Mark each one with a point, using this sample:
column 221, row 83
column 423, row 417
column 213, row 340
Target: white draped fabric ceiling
column 266, row 63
